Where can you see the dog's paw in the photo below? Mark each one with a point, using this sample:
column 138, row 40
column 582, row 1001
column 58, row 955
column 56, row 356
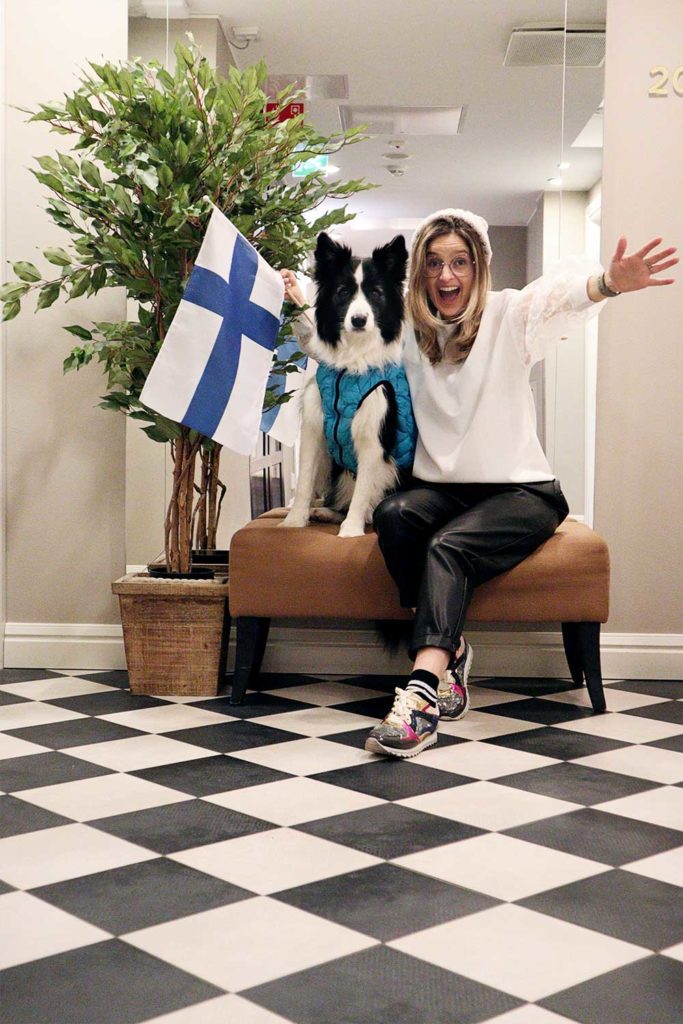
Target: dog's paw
column 295, row 519
column 349, row 528
column 326, row 515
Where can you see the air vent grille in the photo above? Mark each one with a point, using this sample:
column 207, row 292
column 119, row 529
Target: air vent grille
column 544, row 47
column 403, row 120
column 317, row 87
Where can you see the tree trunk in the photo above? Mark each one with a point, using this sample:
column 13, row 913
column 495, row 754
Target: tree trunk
column 208, row 509
column 212, row 497
column 201, row 530
column 178, row 533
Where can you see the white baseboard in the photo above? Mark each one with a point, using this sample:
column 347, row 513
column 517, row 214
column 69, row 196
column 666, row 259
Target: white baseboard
column 522, row 653
column 350, row 651
column 80, row 645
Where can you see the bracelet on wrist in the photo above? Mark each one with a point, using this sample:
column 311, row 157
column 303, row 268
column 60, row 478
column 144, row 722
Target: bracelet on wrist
column 604, row 288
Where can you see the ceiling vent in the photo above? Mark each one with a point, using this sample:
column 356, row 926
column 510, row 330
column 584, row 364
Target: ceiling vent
column 543, row 46
column 316, row 87
column 402, row 120
column 159, row 9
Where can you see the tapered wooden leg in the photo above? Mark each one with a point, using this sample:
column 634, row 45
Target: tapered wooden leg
column 570, row 636
column 589, row 645
column 582, row 647
column 252, row 635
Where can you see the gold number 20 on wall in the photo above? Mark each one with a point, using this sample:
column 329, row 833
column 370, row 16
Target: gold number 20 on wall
column 660, row 88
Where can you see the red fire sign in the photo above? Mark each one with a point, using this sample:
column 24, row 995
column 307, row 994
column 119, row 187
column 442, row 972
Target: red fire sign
column 285, row 113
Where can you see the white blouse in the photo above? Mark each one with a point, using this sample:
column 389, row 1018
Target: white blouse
column 476, row 420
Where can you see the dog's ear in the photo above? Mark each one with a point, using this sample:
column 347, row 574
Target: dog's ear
column 393, row 257
column 329, row 253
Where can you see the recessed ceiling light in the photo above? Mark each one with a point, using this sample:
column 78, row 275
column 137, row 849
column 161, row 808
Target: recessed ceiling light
column 564, row 165
column 554, row 181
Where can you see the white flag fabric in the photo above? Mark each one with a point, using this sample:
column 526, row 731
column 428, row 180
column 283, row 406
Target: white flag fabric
column 283, row 422
column 212, row 369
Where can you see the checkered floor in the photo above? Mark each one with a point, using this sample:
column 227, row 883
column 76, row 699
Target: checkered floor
column 188, row 862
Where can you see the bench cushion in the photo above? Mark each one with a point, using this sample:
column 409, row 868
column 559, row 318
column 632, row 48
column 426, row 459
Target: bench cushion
column 309, row 572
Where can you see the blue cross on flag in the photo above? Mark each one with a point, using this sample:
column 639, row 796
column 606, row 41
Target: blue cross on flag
column 212, row 369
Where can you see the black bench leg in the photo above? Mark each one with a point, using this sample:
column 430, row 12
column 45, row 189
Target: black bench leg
column 252, row 634
column 570, row 636
column 225, row 640
column 582, row 647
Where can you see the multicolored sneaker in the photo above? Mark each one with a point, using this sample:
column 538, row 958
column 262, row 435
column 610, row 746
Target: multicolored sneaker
column 453, row 695
column 409, row 727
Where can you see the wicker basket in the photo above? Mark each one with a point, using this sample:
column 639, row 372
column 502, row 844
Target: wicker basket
column 175, row 633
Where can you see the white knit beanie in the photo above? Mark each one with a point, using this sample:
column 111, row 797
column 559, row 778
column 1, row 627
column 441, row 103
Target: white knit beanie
column 473, row 219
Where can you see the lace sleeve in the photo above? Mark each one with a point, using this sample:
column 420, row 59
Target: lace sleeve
column 547, row 309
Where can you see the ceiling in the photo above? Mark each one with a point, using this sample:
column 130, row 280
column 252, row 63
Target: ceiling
column 430, row 53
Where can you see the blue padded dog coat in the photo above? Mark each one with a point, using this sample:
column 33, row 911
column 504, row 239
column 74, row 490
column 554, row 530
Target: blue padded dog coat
column 342, row 394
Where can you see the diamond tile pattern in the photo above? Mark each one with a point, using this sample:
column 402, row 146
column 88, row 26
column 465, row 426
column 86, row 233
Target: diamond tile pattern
column 203, row 862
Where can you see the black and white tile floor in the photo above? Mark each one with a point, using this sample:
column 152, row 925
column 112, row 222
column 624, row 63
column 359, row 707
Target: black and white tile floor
column 188, row 862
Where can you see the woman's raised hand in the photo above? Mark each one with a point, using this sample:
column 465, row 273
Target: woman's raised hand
column 629, row 273
column 292, row 290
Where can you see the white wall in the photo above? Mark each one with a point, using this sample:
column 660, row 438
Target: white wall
column 639, row 483
column 64, row 456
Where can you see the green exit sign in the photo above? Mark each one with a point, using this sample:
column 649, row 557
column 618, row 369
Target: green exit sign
column 310, row 166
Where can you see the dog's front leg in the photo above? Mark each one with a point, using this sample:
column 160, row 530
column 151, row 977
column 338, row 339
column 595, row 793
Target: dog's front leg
column 315, row 459
column 375, row 475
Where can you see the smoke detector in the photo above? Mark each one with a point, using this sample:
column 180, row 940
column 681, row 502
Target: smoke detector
column 396, row 170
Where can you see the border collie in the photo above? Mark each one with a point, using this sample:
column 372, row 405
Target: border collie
column 358, row 433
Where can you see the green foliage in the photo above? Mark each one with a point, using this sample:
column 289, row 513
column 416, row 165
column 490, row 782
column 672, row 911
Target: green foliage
column 151, row 149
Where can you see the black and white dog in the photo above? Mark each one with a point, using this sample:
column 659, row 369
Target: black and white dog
column 358, row 431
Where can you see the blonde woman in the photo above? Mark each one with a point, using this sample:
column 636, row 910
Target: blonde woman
column 483, row 496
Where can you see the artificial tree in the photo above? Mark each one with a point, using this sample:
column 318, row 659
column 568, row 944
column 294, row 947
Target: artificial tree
column 152, row 148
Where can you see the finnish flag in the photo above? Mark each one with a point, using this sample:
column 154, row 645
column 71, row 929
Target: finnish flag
column 212, row 369
column 283, row 421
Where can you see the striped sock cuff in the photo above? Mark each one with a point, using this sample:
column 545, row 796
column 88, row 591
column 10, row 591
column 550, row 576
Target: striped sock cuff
column 424, row 683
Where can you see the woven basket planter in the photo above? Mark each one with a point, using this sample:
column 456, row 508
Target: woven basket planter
column 175, row 633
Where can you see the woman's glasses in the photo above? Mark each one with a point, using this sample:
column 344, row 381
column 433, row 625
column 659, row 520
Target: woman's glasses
column 460, row 266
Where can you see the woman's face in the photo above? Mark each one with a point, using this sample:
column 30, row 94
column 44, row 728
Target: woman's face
column 449, row 274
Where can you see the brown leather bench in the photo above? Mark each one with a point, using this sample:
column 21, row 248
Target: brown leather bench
column 312, row 573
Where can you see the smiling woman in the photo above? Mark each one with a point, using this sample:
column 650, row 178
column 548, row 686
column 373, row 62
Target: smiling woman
column 449, row 282
column 483, row 495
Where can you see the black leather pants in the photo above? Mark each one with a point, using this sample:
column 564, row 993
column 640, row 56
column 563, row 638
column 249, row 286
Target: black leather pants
column 440, row 541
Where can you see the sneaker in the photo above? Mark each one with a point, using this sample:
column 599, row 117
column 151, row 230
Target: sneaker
column 409, row 727
column 453, row 695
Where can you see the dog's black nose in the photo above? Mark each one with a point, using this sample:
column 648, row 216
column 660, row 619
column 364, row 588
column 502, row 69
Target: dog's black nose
column 358, row 322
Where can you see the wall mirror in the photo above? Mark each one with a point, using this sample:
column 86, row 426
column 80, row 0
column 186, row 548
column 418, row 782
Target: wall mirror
column 471, row 103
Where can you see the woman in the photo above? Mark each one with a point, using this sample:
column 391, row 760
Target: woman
column 483, row 495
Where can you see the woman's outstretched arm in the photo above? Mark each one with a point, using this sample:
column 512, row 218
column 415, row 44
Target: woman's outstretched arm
column 631, row 273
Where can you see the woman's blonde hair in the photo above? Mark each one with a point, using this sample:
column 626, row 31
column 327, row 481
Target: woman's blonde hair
column 421, row 310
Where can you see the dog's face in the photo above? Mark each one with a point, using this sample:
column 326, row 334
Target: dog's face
column 359, row 297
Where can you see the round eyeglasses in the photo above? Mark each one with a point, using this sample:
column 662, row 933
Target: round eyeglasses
column 460, row 266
